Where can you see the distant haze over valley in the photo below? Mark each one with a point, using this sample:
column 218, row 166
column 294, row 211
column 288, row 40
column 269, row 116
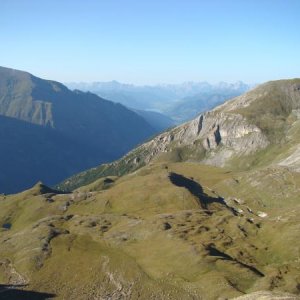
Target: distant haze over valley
column 180, row 102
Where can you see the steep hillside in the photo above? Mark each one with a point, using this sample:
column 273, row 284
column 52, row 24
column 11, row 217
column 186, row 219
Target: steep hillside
column 96, row 129
column 30, row 152
column 256, row 129
column 167, row 231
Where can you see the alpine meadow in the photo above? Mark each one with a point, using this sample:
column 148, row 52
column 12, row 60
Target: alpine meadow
column 150, row 150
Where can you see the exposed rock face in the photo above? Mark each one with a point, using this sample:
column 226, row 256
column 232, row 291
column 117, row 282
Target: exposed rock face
column 221, row 134
column 226, row 131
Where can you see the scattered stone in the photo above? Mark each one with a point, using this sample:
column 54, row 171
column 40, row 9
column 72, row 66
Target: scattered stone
column 249, row 210
column 262, row 214
column 237, row 201
column 108, row 180
column 238, row 210
column 104, row 228
column 68, row 217
column 65, row 206
column 49, row 200
column 167, row 226
column 92, row 224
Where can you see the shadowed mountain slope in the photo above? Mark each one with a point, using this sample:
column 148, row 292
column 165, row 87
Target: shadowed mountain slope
column 72, row 130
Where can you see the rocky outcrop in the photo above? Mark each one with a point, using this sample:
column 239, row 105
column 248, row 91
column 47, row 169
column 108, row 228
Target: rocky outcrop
column 220, row 134
column 232, row 129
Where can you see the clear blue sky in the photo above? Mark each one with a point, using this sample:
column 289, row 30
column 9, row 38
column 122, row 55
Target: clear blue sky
column 153, row 41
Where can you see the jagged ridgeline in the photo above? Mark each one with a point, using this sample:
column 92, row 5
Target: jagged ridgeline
column 48, row 132
column 255, row 129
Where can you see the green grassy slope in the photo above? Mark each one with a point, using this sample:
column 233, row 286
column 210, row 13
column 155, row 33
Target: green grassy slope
column 146, row 235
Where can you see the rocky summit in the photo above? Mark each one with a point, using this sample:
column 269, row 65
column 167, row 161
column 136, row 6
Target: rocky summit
column 207, row 210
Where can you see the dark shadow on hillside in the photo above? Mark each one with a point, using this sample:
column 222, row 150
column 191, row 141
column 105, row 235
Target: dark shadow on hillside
column 15, row 292
column 195, row 189
column 222, row 255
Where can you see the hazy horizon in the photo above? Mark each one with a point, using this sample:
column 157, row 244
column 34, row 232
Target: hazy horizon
column 161, row 83
column 143, row 84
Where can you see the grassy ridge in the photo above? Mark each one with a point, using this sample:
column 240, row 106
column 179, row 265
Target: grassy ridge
column 141, row 236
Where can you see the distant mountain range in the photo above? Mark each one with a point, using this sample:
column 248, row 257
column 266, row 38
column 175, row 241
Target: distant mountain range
column 179, row 102
column 48, row 132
